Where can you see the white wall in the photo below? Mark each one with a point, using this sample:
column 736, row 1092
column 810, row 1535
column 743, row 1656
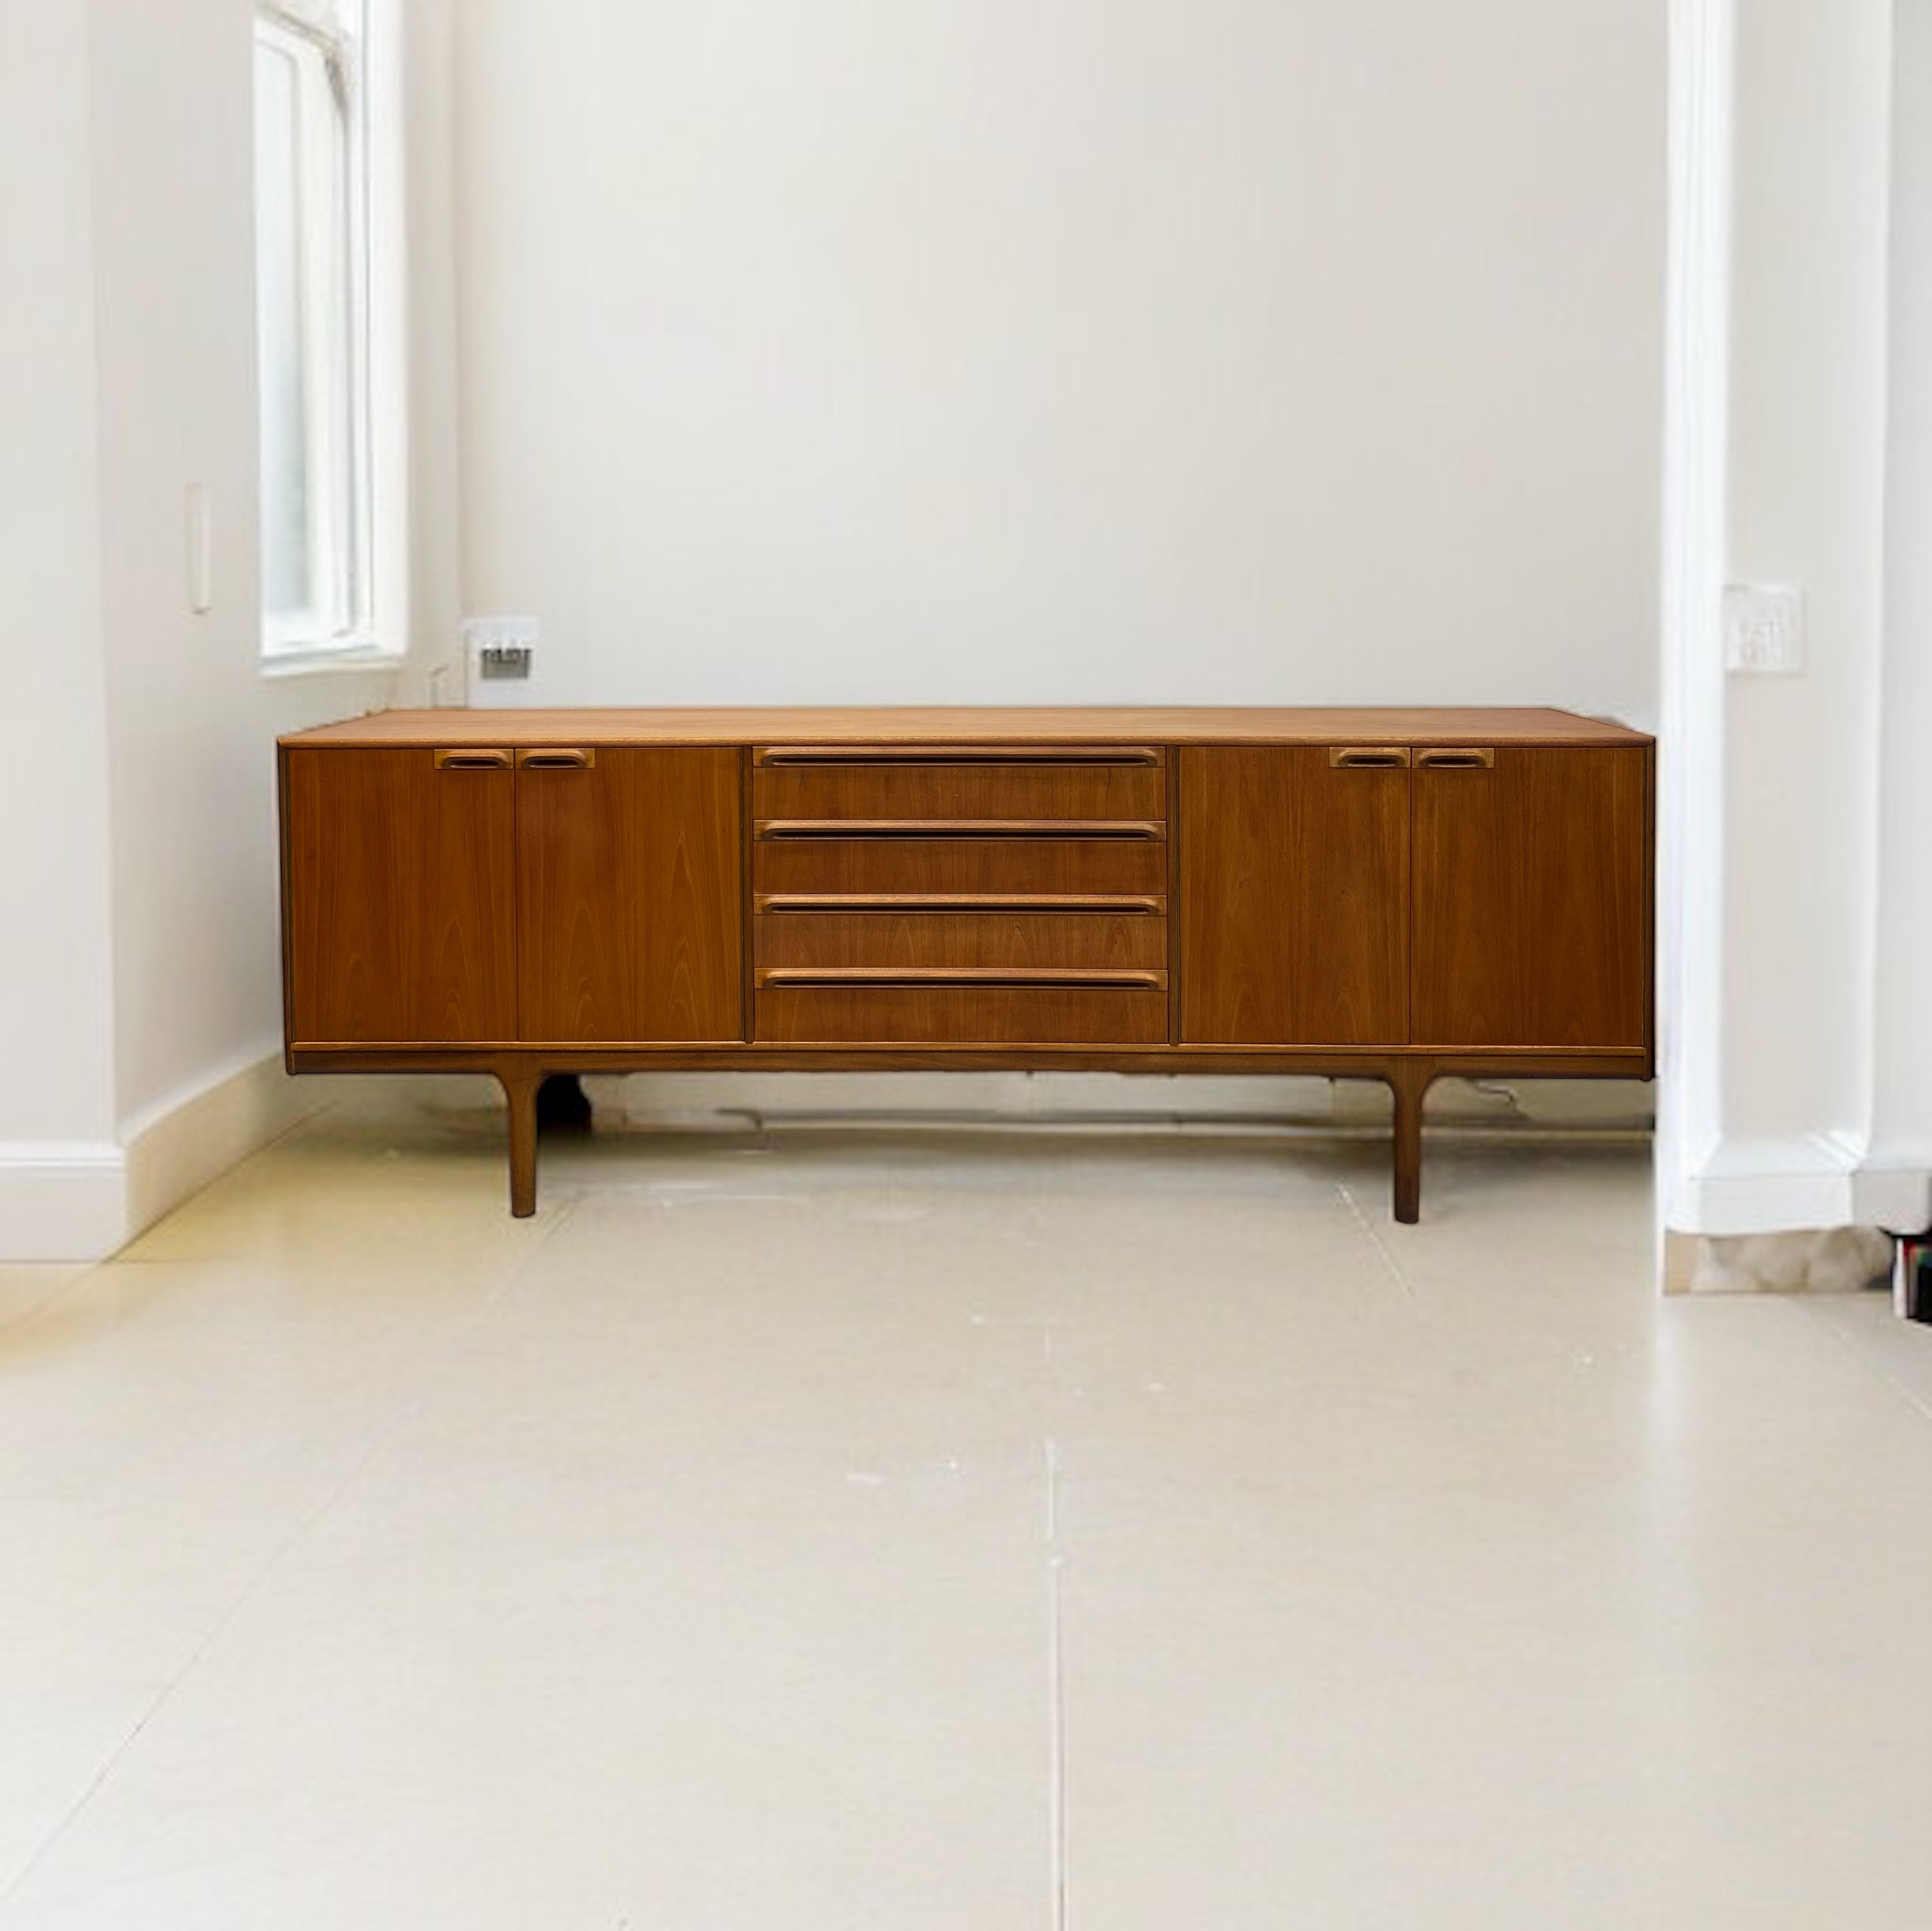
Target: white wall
column 137, row 836
column 1899, row 1157
column 1798, row 1084
column 192, row 720
column 56, row 1040
column 1808, row 400
column 434, row 674
column 1229, row 350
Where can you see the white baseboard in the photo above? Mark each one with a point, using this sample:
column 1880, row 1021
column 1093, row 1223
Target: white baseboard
column 194, row 1136
column 62, row 1200
column 84, row 1200
column 1782, row 1187
column 1767, row 1186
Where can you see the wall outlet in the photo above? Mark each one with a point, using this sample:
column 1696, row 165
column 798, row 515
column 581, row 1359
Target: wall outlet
column 500, row 656
column 1764, row 630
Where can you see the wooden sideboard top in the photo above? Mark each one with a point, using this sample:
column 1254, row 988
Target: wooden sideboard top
column 977, row 724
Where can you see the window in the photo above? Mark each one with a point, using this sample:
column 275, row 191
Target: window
column 328, row 325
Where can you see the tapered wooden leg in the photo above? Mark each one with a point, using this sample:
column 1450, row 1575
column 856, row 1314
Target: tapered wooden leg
column 1409, row 1080
column 519, row 1088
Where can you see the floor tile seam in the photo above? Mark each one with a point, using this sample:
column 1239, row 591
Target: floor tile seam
column 383, row 1431
column 1863, row 1358
column 1056, row 1794
column 1394, row 1267
column 222, row 1621
column 25, row 1316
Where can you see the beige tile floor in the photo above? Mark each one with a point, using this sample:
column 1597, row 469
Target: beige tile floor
column 825, row 1532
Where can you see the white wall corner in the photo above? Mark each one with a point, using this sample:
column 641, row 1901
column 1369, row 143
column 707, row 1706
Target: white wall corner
column 1691, row 853
column 61, row 1200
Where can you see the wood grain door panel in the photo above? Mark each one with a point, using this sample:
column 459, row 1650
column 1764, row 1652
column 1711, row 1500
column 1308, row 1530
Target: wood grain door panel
column 1293, row 897
column 401, row 899
column 629, row 898
column 1532, row 925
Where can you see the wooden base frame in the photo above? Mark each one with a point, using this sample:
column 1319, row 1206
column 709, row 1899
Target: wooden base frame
column 1409, row 1074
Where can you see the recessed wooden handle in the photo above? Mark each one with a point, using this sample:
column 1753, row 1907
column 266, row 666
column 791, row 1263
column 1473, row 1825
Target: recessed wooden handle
column 1370, row 758
column 472, row 758
column 960, row 827
column 1457, row 758
column 555, row 757
column 959, row 753
column 1119, row 904
column 1033, row 978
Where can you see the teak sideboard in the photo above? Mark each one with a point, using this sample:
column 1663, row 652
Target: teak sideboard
column 1391, row 895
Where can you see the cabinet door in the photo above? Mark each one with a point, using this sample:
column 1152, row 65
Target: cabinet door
column 401, row 897
column 1532, row 923
column 629, row 901
column 1295, row 897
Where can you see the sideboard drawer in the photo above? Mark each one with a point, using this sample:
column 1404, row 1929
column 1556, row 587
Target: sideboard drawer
column 850, row 864
column 885, row 935
column 1131, row 1011
column 1012, row 792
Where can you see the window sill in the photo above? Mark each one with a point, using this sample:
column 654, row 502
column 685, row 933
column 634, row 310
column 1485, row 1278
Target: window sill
column 324, row 660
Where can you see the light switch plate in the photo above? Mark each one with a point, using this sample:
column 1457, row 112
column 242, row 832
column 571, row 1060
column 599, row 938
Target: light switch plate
column 200, row 517
column 1764, row 630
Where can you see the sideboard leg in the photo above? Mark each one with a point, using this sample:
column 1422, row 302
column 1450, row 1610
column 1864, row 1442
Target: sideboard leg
column 1409, row 1080
column 519, row 1088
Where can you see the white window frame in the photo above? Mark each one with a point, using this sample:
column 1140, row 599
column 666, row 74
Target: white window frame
column 355, row 363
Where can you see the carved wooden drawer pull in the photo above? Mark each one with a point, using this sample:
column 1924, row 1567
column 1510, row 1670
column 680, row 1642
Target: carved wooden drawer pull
column 1458, row 757
column 555, row 757
column 1370, row 758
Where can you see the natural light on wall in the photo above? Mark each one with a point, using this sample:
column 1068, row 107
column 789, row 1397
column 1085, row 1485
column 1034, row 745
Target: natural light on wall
column 330, row 329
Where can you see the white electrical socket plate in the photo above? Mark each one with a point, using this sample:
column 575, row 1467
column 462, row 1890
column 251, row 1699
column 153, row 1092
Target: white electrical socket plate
column 500, row 660
column 1764, row 630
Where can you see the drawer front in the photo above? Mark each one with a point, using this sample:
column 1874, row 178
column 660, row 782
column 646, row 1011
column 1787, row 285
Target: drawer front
column 1040, row 940
column 887, row 1014
column 1016, row 793
column 863, row 865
